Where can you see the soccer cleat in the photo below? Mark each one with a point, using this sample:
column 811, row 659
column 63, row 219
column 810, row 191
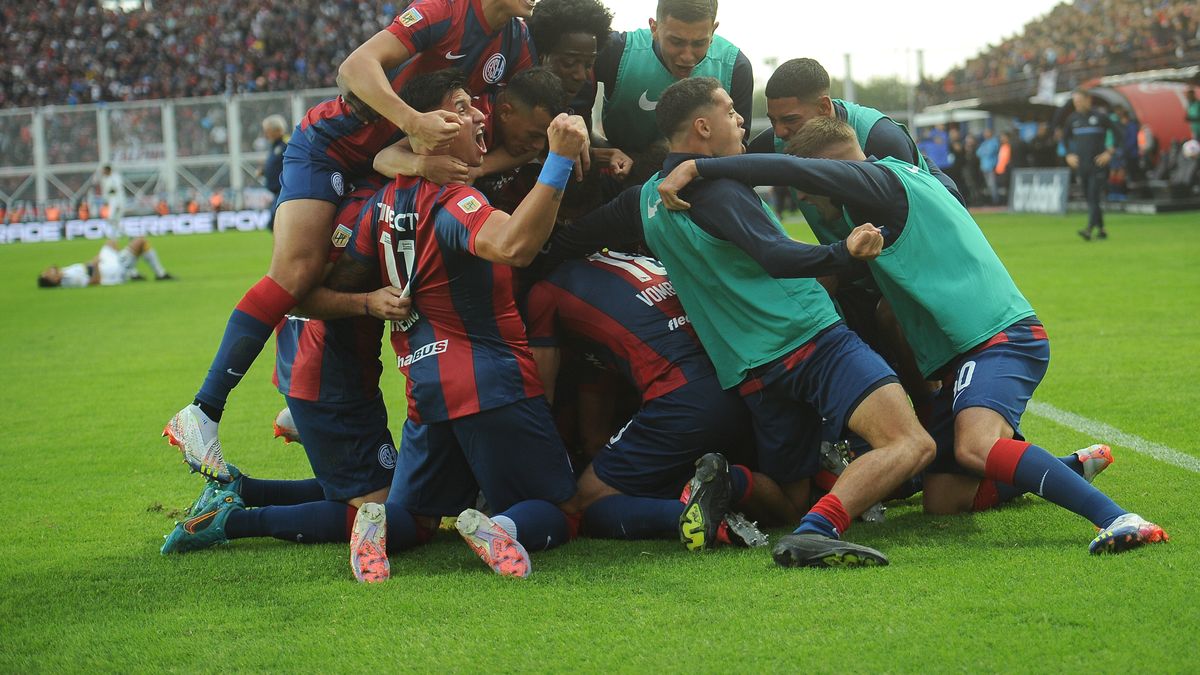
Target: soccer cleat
column 368, row 544
column 814, row 550
column 709, row 494
column 136, row 277
column 1128, row 531
column 190, row 431
column 165, row 276
column 212, row 487
column 494, row 546
column 285, row 427
column 1086, row 234
column 835, row 457
column 738, row 530
column 204, row 528
column 1094, row 459
column 1102, row 234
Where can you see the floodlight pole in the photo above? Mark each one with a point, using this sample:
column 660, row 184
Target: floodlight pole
column 848, row 92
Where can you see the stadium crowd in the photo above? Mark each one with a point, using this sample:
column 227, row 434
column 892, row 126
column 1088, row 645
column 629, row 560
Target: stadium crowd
column 1081, row 40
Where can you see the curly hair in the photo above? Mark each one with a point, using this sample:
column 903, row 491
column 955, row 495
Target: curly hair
column 552, row 19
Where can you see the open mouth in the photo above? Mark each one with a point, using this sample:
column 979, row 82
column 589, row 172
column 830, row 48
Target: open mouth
column 479, row 142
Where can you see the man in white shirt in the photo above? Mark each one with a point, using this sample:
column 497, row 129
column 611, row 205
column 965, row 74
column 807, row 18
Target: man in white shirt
column 109, row 268
column 112, row 189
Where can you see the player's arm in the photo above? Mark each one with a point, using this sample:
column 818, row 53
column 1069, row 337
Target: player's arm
column 547, row 360
column 616, row 224
column 741, row 90
column 499, row 160
column 734, row 212
column 1118, row 138
column 398, row 159
column 541, row 328
column 516, row 239
column 352, row 289
column 888, row 139
column 364, row 76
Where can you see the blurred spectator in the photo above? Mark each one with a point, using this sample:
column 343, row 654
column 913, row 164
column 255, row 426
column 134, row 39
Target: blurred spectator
column 76, row 51
column 933, row 146
column 1004, row 162
column 972, row 172
column 274, row 128
column 1193, row 113
column 1042, row 150
column 956, row 152
column 989, row 154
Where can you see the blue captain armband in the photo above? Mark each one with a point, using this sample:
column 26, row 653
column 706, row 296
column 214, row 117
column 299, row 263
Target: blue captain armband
column 556, row 171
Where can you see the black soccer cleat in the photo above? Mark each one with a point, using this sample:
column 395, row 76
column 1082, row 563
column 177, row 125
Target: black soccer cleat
column 709, row 495
column 815, row 550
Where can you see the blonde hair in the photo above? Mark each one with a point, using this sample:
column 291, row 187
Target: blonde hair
column 276, row 122
column 819, row 135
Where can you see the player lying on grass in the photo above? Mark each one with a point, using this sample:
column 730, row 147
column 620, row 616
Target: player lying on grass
column 780, row 344
column 958, row 307
column 336, row 141
column 110, row 267
column 621, row 312
column 477, row 420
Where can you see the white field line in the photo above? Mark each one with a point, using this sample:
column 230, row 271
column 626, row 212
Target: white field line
column 1106, row 433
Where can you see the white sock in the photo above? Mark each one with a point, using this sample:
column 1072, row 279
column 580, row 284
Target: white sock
column 151, row 258
column 506, row 524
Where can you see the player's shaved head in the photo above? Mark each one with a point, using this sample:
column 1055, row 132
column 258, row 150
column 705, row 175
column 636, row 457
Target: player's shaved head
column 536, row 88
column 687, row 11
column 804, row 79
column 425, row 93
column 682, row 102
column 827, row 138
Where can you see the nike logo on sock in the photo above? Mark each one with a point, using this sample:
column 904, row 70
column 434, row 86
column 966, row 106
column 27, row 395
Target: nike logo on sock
column 231, row 372
column 1042, row 484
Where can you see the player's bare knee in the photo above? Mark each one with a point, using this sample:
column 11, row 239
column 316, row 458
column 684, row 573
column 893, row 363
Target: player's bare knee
column 378, row 497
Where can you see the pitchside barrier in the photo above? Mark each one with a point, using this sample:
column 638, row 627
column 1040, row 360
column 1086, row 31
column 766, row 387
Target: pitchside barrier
column 137, row 226
column 1039, row 190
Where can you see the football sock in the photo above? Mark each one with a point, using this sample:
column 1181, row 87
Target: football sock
column 625, row 517
column 1032, row 469
column 540, row 524
column 261, row 308
column 151, row 258
column 311, row 523
column 828, row 517
column 991, row 493
column 743, row 484
column 257, row 492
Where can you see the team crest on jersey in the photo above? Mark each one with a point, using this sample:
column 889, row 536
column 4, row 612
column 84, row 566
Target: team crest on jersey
column 410, row 17
column 493, row 70
column 338, row 183
column 469, row 204
column 387, row 456
column 341, row 236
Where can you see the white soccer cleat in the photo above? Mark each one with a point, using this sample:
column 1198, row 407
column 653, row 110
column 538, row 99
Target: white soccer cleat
column 195, row 435
column 368, row 544
column 494, row 546
column 1128, row 531
column 285, row 427
column 1094, row 459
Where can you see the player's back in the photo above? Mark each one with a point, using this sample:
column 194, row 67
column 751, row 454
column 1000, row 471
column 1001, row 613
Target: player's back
column 624, row 310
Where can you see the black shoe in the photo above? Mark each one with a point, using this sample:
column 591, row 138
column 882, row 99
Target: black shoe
column 709, row 494
column 1086, row 234
column 815, row 550
column 166, row 276
column 136, row 277
column 1102, row 234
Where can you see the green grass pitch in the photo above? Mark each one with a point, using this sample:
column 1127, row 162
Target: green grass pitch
column 89, row 377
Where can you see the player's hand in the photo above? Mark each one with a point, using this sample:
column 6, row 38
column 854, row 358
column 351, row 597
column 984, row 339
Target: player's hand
column 1073, row 161
column 617, row 163
column 432, row 130
column 569, row 138
column 865, row 242
column 443, row 169
column 677, row 180
column 388, row 304
column 1104, row 158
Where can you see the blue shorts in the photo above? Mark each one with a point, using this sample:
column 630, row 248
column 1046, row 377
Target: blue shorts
column 1000, row 375
column 348, row 445
column 790, row 398
column 655, row 453
column 310, row 174
column 512, row 454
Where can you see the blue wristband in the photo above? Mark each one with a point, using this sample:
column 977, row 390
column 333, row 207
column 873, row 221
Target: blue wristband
column 556, row 171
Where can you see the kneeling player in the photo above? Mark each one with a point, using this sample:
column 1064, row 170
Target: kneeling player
column 477, row 420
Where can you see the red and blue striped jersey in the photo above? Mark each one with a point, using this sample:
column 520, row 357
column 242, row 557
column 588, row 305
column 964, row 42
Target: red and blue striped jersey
column 622, row 310
column 464, row 349
column 331, row 361
column 439, row 34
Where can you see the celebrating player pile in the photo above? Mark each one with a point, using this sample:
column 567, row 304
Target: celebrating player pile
column 674, row 339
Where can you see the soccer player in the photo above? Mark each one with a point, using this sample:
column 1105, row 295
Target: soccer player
column 1086, row 134
column 777, row 341
column 110, row 267
column 112, row 189
column 622, row 313
column 568, row 34
column 477, row 420
column 337, row 140
column 636, row 67
column 961, row 313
